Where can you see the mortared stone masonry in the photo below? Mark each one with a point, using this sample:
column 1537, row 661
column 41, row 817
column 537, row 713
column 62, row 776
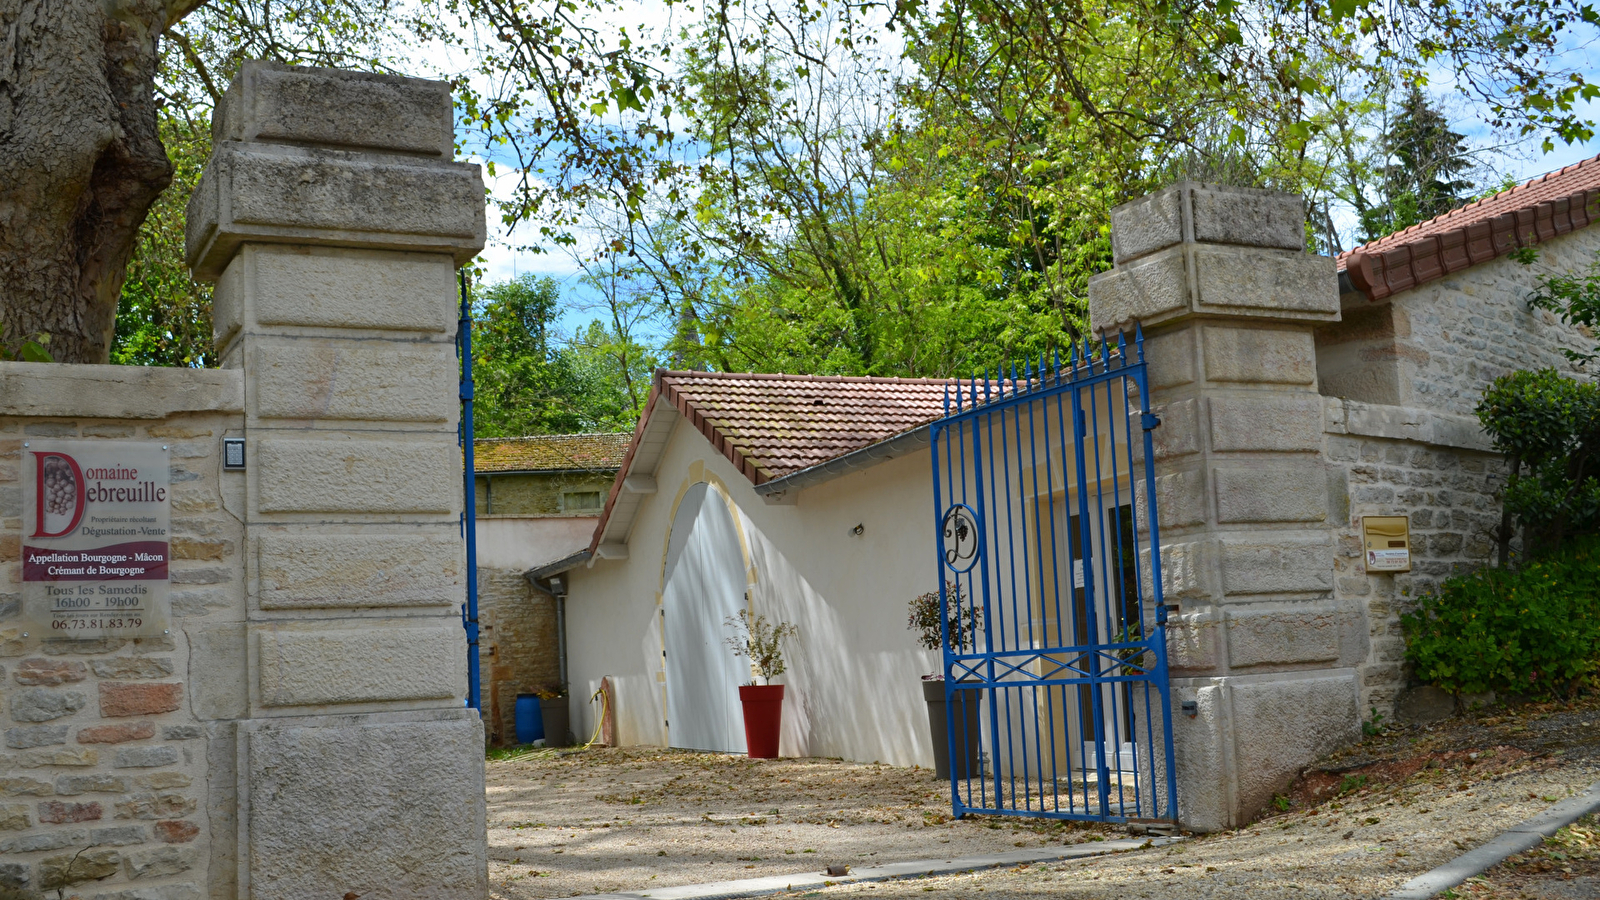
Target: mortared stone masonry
column 300, row 729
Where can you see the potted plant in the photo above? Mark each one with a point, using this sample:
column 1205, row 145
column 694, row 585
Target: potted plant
column 557, row 718
column 760, row 642
column 924, row 619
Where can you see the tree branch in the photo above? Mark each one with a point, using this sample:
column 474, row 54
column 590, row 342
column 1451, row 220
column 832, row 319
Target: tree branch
column 177, row 9
column 182, row 40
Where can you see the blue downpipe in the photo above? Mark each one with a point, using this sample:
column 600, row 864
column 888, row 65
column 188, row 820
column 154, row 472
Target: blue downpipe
column 469, row 525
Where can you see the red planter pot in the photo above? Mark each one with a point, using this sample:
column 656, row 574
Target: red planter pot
column 763, row 714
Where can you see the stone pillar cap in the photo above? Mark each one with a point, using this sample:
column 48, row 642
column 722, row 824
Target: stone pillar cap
column 276, row 103
column 329, row 158
column 1213, row 250
column 1194, row 212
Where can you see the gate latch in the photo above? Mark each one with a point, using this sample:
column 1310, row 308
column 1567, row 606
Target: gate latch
column 1191, row 708
column 1149, row 421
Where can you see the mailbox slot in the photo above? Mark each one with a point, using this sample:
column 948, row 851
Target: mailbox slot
column 1387, row 542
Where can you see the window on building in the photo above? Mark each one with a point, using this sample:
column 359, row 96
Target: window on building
column 581, row 501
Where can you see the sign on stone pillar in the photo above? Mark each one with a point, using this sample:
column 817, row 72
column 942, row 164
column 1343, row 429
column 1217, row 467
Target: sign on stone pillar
column 332, row 218
column 96, row 539
column 1228, row 297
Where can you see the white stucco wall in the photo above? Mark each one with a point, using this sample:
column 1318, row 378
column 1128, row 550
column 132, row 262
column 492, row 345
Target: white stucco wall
column 523, row 542
column 854, row 673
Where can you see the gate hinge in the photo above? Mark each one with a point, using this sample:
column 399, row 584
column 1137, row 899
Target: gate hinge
column 1149, row 421
column 466, row 390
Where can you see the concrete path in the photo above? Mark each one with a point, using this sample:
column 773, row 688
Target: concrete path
column 755, row 887
column 1523, row 837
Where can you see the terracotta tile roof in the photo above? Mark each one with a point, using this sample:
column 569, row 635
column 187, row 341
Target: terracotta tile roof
column 769, row 426
column 1553, row 204
column 551, row 452
column 773, row 425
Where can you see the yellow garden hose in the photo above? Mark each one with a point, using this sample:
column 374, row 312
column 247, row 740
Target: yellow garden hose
column 599, row 723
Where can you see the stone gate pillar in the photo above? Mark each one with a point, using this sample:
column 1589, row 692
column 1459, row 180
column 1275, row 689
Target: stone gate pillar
column 332, row 218
column 1228, row 298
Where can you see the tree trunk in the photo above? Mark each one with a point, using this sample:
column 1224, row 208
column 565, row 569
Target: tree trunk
column 80, row 164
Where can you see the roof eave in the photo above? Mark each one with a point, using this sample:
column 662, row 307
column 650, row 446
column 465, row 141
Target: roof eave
column 1380, row 270
column 566, row 563
column 644, row 452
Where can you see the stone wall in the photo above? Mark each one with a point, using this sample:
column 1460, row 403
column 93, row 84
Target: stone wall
column 536, row 494
column 1289, row 414
column 1438, row 470
column 107, row 774
column 299, row 730
column 517, row 648
column 1436, row 346
column 1403, row 377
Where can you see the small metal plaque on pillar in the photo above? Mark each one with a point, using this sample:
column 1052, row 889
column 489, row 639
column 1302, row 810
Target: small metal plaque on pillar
column 96, row 539
column 1387, row 541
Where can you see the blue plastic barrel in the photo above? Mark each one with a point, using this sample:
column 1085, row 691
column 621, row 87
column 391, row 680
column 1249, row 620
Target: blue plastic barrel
column 530, row 722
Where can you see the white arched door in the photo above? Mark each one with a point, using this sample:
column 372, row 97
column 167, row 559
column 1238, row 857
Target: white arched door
column 704, row 585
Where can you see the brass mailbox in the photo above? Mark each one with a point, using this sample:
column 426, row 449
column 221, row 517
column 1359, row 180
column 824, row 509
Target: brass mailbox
column 1387, row 540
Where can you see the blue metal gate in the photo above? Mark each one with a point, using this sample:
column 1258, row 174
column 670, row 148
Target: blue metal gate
column 1055, row 655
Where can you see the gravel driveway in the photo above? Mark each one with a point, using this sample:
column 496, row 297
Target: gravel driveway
column 1363, row 847
column 608, row 820
column 1363, row 822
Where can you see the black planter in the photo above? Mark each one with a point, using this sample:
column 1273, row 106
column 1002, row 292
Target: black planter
column 968, row 703
column 557, row 728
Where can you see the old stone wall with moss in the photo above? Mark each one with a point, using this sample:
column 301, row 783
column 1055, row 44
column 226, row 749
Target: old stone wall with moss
column 543, row 494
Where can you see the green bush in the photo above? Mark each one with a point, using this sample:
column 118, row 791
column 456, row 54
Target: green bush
column 1533, row 630
column 1548, row 426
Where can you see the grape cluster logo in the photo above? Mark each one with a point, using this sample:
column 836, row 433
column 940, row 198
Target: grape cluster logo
column 60, row 498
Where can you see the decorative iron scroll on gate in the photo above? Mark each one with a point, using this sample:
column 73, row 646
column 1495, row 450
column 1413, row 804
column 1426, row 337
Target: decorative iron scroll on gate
column 1055, row 654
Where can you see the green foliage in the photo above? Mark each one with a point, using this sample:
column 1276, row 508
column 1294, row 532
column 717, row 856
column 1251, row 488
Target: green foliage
column 1372, row 726
column 923, row 618
column 1425, row 162
column 761, row 642
column 1533, row 630
column 806, row 198
column 163, row 315
column 1573, row 296
column 1548, row 427
column 1350, row 784
column 29, row 351
column 527, row 380
column 521, row 385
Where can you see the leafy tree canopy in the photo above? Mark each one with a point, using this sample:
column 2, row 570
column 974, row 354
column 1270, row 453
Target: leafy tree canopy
column 884, row 188
column 529, row 380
